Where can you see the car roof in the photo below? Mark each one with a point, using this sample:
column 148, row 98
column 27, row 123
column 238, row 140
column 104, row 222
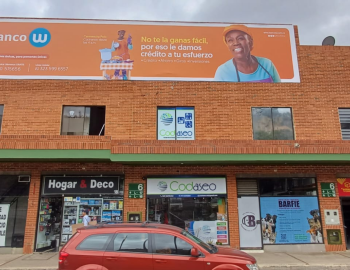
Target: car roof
column 136, row 226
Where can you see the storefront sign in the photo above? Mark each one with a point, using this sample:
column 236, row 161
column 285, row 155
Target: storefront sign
column 125, row 50
column 186, row 187
column 328, row 190
column 4, row 210
column 210, row 232
column 81, row 185
column 343, row 187
column 136, row 191
column 249, row 222
column 290, row 220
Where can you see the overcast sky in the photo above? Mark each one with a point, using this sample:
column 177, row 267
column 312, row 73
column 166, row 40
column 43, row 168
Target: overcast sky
column 316, row 19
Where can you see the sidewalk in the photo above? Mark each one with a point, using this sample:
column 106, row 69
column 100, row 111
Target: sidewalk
column 271, row 261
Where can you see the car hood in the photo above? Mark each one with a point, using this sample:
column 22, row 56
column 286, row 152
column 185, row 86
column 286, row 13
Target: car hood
column 234, row 254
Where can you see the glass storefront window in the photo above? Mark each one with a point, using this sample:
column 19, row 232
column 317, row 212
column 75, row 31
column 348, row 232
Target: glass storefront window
column 288, row 187
column 14, row 194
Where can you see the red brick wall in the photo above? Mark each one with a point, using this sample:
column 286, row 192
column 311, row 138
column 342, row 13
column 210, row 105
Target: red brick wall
column 222, row 110
column 134, row 174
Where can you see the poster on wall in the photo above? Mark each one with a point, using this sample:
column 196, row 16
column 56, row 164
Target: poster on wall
column 249, row 222
column 176, row 123
column 134, row 50
column 343, row 187
column 290, row 220
column 211, row 232
column 185, row 123
column 4, row 210
column 166, row 123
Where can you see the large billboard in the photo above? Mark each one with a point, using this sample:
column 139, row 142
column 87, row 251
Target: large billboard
column 126, row 50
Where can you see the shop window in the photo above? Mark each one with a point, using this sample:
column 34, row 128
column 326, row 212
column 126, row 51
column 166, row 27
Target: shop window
column 131, row 242
column 14, row 205
column 169, row 244
column 288, row 187
column 96, row 242
column 83, row 120
column 272, row 124
column 344, row 117
column 175, row 123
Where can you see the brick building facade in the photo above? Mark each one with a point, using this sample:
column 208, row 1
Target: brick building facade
column 31, row 143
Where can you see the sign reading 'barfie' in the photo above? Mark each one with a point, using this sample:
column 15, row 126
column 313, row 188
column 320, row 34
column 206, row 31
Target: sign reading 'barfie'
column 125, row 50
column 80, row 184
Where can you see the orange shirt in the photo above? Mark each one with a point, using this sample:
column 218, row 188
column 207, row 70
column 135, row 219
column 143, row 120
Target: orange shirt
column 122, row 50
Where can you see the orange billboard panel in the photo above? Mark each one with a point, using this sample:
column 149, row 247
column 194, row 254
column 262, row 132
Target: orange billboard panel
column 117, row 50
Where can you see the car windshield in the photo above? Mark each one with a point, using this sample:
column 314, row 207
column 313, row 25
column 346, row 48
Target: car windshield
column 207, row 247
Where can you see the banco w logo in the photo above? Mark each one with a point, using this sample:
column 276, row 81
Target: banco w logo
column 40, row 37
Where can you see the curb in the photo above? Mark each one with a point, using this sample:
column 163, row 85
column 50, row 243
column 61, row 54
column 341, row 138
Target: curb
column 303, row 267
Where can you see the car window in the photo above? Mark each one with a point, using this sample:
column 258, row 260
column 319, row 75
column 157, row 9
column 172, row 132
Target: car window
column 131, row 242
column 96, row 242
column 170, row 244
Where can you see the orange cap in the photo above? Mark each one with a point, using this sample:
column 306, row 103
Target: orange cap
column 238, row 27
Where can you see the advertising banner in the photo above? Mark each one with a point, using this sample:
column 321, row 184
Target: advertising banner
column 290, row 220
column 126, row 50
column 343, row 187
column 186, row 187
column 4, row 211
column 249, row 222
column 184, row 123
column 176, row 123
column 209, row 232
column 81, row 185
column 166, row 123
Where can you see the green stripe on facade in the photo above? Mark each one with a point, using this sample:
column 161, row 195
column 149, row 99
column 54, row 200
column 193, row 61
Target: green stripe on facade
column 106, row 156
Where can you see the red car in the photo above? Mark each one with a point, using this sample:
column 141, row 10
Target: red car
column 147, row 246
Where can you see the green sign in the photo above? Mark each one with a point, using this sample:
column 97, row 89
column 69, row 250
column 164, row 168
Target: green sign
column 136, row 191
column 328, row 190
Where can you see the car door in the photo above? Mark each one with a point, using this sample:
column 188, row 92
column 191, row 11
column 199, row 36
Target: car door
column 128, row 251
column 88, row 253
column 171, row 252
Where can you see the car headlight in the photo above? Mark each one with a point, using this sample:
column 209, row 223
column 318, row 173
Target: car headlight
column 253, row 266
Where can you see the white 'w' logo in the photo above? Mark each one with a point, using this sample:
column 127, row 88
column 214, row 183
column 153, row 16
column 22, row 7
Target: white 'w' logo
column 39, row 39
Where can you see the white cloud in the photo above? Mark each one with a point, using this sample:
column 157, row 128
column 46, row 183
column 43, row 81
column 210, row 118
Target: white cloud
column 316, row 19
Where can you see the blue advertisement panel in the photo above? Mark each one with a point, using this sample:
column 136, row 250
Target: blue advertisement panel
column 290, row 220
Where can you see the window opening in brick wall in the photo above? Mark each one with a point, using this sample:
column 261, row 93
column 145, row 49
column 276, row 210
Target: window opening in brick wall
column 344, row 117
column 175, row 123
column 83, row 120
column 272, row 124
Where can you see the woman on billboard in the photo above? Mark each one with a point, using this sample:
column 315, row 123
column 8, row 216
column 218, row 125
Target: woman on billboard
column 244, row 67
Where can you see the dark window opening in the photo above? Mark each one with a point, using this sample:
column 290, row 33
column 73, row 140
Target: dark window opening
column 272, row 124
column 288, row 187
column 81, row 120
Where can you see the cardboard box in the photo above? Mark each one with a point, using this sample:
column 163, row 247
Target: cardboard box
column 79, row 225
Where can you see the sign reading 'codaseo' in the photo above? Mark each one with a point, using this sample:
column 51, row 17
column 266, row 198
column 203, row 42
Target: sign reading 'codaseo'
column 186, row 187
column 81, row 184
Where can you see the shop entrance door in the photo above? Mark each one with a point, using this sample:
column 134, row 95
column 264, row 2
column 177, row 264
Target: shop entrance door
column 249, row 222
column 346, row 220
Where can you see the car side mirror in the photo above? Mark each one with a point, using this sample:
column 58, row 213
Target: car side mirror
column 194, row 252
